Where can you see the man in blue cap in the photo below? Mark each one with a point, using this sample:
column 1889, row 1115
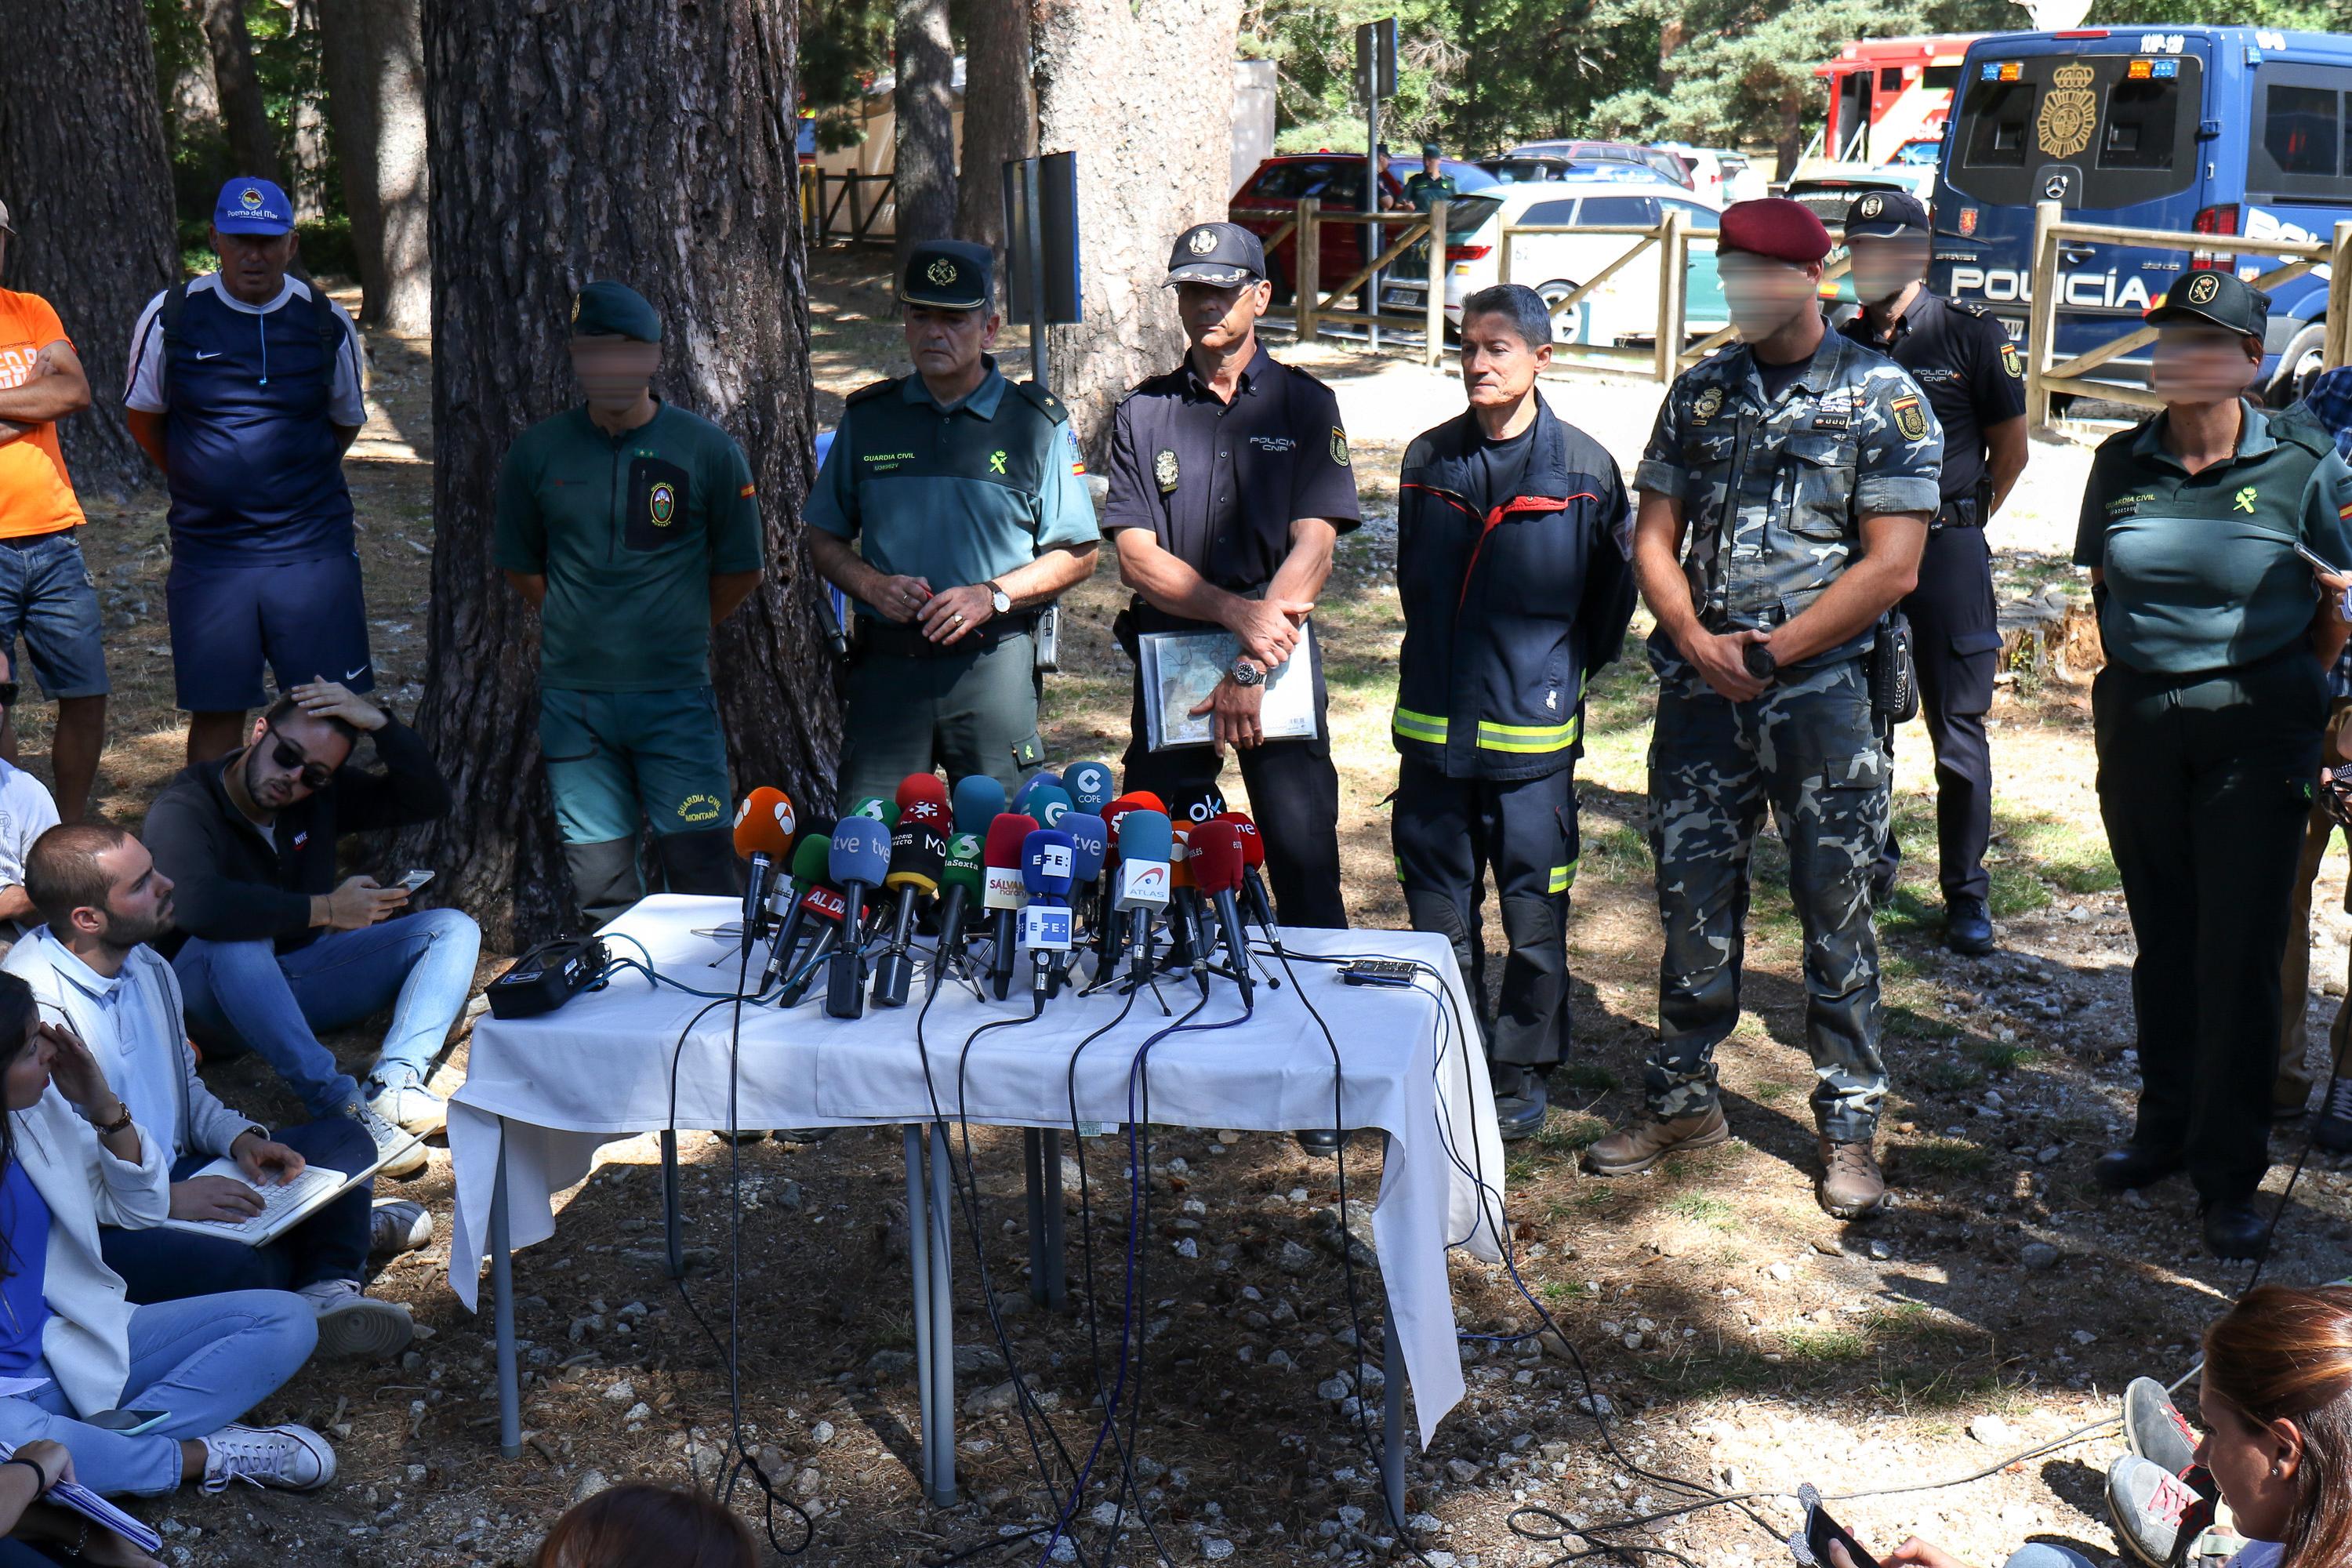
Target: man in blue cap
column 247, row 386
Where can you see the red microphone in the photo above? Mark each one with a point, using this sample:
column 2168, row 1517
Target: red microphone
column 923, row 800
column 1261, row 907
column 1003, row 893
column 1218, row 862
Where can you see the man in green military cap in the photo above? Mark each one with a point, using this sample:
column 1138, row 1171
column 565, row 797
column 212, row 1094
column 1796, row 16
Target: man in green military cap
column 962, row 491
column 1433, row 184
column 632, row 527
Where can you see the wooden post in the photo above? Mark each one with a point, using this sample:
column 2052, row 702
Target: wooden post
column 1434, row 353
column 2042, row 313
column 856, row 225
column 1307, row 282
column 2336, row 340
column 1670, row 289
column 1503, row 262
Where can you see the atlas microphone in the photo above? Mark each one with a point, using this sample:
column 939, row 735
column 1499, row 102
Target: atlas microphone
column 1004, row 891
column 1089, row 784
column 763, row 837
column 1144, row 841
column 1048, row 863
column 1217, row 866
column 960, row 889
column 919, row 855
column 820, row 912
column 859, row 859
column 1110, row 936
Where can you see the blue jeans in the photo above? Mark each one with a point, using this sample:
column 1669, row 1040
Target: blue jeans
column 2033, row 1556
column 47, row 595
column 205, row 1361
column 246, row 995
column 160, row 1264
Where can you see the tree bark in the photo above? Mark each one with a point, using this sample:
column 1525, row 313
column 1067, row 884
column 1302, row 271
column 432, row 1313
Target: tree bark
column 192, row 112
column 650, row 140
column 1792, row 144
column 90, row 196
column 308, row 156
column 1154, row 142
column 1000, row 115
column 375, row 60
column 924, row 156
column 252, row 144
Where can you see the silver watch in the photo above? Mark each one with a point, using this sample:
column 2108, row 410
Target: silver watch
column 1246, row 672
column 999, row 600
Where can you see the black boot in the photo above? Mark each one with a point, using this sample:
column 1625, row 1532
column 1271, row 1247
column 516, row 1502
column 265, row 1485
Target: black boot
column 2235, row 1230
column 2134, row 1165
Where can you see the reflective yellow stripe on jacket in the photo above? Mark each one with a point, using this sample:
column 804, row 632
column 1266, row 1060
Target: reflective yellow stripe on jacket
column 1526, row 738
column 1425, row 727
column 1563, row 877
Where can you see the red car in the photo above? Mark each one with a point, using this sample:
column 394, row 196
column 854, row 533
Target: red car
column 1270, row 197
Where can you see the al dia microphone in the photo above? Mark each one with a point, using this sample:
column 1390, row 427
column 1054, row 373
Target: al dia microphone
column 1005, row 892
column 922, row 803
column 763, row 836
column 919, row 856
column 1089, row 844
column 808, row 869
column 1217, row 864
column 978, row 801
column 819, row 913
column 960, row 890
column 859, row 859
column 1261, row 907
column 1089, row 784
column 1143, row 845
column 1048, row 861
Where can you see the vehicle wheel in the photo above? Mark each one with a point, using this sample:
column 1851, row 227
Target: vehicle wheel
column 2298, row 367
column 1570, row 326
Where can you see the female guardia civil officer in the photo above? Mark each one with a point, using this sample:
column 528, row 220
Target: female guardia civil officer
column 2208, row 718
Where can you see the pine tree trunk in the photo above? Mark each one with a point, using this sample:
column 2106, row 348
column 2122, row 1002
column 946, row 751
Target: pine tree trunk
column 924, row 100
column 90, row 196
column 191, row 111
column 650, row 140
column 374, row 58
column 308, row 156
column 1000, row 115
column 252, row 144
column 1142, row 90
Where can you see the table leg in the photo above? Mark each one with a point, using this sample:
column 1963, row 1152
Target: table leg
column 502, row 1309
column 919, row 1263
column 1032, row 1158
column 673, row 1229
column 1392, row 1437
column 942, row 1325
column 1049, row 1159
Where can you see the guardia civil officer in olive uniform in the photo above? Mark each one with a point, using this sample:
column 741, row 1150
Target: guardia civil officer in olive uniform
column 1432, row 183
column 963, row 492
column 2208, row 719
column 1975, row 381
column 1785, row 495
column 631, row 526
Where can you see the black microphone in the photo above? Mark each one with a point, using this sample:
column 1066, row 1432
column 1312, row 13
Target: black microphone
column 919, row 856
column 859, row 859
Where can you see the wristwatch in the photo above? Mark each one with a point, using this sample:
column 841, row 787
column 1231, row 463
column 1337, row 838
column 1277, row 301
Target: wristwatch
column 1761, row 662
column 1246, row 672
column 999, row 600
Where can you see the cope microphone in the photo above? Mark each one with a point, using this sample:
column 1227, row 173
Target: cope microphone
column 859, row 859
column 960, row 890
column 1217, row 864
column 1004, row 891
column 1260, row 906
column 978, row 801
column 1144, row 841
column 919, row 856
column 1089, row 784
column 763, row 837
column 1048, row 865
column 818, row 913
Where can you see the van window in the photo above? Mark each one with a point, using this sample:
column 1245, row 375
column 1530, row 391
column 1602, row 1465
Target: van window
column 2299, row 128
column 2000, row 117
column 2138, row 131
column 1940, row 78
column 1696, row 219
column 2300, row 149
column 1599, row 210
column 2132, row 138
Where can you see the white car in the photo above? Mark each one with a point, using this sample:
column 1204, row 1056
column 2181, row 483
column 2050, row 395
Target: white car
column 1718, row 173
column 1626, row 306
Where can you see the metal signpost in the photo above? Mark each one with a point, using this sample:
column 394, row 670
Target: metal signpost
column 1376, row 74
column 1040, row 245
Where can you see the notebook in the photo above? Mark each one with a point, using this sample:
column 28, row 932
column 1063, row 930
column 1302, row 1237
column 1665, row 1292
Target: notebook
column 284, row 1204
column 80, row 1499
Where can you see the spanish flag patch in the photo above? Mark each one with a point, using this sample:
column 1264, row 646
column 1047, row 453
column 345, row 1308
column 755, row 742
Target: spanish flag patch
column 747, row 492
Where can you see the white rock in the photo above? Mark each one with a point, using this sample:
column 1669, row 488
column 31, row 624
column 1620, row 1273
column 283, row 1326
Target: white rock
column 1217, row 1549
column 1992, row 1430
column 640, row 1411
column 621, row 1393
column 821, row 1434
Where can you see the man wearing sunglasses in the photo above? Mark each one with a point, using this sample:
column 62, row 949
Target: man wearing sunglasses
column 276, row 949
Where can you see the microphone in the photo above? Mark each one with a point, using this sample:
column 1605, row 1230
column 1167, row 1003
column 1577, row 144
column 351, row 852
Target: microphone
column 1184, row 898
column 820, row 910
column 1043, row 778
column 1090, row 841
column 859, row 859
column 960, row 889
column 919, row 857
column 1192, row 809
column 1109, row 936
column 978, row 801
column 875, row 808
column 807, row 870
column 763, row 836
column 1005, row 892
column 1048, row 861
column 1261, row 907
column 922, row 802
column 1217, row 864
column 1144, row 841
column 1047, row 803
column 1089, row 784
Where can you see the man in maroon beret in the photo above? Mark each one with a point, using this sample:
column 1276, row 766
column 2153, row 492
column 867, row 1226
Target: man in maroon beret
column 1785, row 495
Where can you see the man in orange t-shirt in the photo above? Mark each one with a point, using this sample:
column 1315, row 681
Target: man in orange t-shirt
column 46, row 592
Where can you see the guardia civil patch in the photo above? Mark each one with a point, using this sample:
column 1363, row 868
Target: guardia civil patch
column 1910, row 418
column 1338, row 445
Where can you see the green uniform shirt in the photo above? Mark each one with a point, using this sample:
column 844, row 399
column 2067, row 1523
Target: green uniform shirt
column 2200, row 569
column 952, row 495
column 1422, row 191
column 628, row 530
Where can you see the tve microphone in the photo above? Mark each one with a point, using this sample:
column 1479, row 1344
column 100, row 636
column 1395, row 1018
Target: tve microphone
column 1089, row 784
column 959, row 890
column 1043, row 778
column 1217, row 866
column 919, row 856
column 859, row 859
column 923, row 802
column 1004, row 891
column 1261, row 907
column 763, row 837
column 809, row 861
column 1143, row 846
column 978, row 801
column 1048, row 804
column 1048, row 861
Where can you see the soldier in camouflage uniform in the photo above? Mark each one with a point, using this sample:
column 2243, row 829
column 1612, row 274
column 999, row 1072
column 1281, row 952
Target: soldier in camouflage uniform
column 1802, row 468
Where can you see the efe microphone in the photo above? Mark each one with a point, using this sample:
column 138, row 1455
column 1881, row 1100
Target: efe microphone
column 1005, row 892
column 1048, row 858
column 860, row 858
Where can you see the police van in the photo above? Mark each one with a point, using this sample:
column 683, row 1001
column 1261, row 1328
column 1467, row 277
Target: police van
column 2214, row 131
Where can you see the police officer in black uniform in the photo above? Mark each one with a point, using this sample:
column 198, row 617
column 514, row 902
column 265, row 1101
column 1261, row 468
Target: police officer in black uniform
column 1230, row 483
column 1975, row 381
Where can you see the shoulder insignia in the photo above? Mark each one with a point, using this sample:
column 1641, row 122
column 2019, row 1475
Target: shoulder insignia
column 1967, row 307
column 871, row 390
column 2013, row 362
column 1707, row 405
column 1909, row 417
column 1338, row 445
column 1045, row 403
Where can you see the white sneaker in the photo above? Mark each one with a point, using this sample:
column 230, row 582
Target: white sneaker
column 396, row 1226
column 352, row 1323
column 291, row 1456
column 404, row 1152
column 406, row 1104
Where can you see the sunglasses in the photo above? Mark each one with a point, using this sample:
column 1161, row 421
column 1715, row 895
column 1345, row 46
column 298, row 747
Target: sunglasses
column 285, row 755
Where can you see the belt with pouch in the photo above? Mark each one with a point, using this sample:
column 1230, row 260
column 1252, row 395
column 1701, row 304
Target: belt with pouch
column 878, row 636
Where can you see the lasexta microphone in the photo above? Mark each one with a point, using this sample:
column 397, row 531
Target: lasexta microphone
column 1004, row 891
column 875, row 808
column 1089, row 784
column 978, row 801
column 809, row 859
column 821, row 909
column 919, row 856
column 763, row 837
column 859, row 859
column 961, row 890
column 1144, row 842
column 1217, row 864
column 1048, row 861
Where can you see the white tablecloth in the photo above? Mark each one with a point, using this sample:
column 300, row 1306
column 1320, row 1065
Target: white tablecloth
column 599, row 1068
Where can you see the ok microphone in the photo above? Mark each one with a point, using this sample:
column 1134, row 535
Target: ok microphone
column 1089, row 784
column 960, row 889
column 919, row 855
column 1144, row 841
column 859, row 859
column 1004, row 891
column 1217, row 864
column 1261, row 907
column 818, row 913
column 978, row 801
column 763, row 836
column 1048, row 862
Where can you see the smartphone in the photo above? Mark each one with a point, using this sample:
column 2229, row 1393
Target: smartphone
column 1821, row 1530
column 130, row 1423
column 2316, row 563
column 417, row 878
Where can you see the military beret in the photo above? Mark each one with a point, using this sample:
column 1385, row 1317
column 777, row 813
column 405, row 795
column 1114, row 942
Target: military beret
column 948, row 275
column 608, row 309
column 2212, row 297
column 1776, row 227
column 1883, row 214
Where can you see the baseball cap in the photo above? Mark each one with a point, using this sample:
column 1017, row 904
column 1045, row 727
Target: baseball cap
column 1431, row 150
column 253, row 207
column 2215, row 298
column 1220, row 252
column 605, row 309
column 948, row 275
column 1884, row 214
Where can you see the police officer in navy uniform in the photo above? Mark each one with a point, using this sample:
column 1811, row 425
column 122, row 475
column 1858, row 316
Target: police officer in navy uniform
column 1975, row 381
column 1230, row 483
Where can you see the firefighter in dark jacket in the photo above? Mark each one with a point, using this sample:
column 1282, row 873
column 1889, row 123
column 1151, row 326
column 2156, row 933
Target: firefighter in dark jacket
column 1515, row 575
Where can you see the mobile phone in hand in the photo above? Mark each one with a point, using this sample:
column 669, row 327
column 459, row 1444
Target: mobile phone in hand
column 2315, row 563
column 130, row 1423
column 417, row 878
column 1820, row 1530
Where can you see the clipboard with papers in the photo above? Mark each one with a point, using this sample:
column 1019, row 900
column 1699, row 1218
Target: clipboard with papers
column 75, row 1497
column 1179, row 669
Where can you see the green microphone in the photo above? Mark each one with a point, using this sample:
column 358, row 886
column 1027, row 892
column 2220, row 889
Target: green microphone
column 960, row 887
column 809, row 859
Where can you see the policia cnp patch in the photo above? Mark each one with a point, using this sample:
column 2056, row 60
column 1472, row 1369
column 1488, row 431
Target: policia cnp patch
column 1910, row 418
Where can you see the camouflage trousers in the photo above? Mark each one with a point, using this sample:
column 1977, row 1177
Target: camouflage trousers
column 1808, row 749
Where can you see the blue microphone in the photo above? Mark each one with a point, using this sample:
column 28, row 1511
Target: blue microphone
column 1041, row 779
column 978, row 801
column 1145, row 839
column 1047, row 803
column 1090, row 785
column 859, row 859
column 1091, row 841
column 1048, row 860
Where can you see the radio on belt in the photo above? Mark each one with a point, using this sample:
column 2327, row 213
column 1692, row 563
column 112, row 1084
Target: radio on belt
column 547, row 977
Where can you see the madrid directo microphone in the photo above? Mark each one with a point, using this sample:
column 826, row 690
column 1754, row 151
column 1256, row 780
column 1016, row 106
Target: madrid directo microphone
column 818, row 913
column 960, row 890
column 1144, row 841
column 859, row 859
column 1048, row 866
column 1004, row 891
column 1089, row 784
column 919, row 855
column 1217, row 864
column 763, row 837
column 922, row 803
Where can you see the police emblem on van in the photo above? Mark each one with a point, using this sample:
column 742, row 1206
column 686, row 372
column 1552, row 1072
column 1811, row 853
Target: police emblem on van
column 2070, row 110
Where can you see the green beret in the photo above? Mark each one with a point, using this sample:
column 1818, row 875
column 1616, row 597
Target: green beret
column 608, row 309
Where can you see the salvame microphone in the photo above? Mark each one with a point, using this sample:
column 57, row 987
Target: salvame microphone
column 819, row 912
column 919, row 856
column 1048, row 864
column 859, row 859
column 1090, row 785
column 763, row 838
column 1144, row 842
column 959, row 891
column 1217, row 864
column 978, row 801
column 1260, row 905
column 1004, row 890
